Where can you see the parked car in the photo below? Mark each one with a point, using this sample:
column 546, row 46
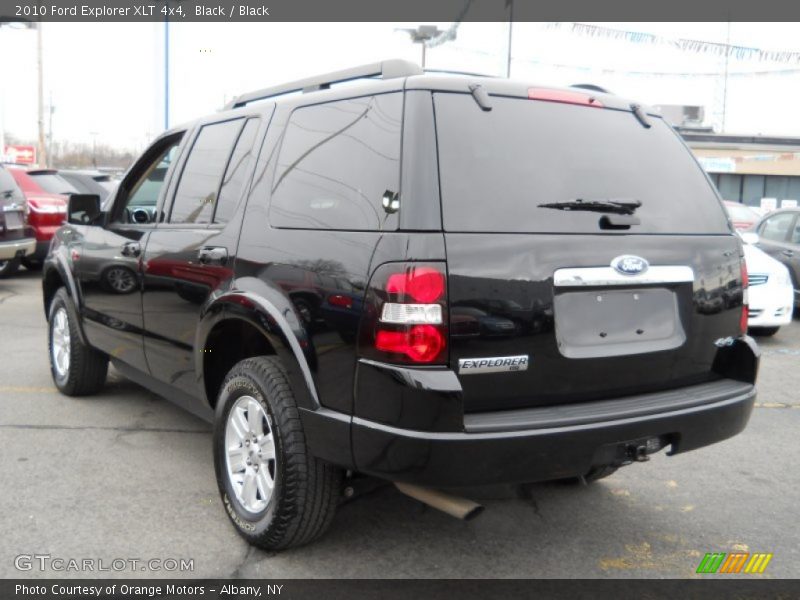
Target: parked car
column 770, row 294
column 742, row 216
column 420, row 194
column 47, row 208
column 779, row 236
column 16, row 238
column 89, row 182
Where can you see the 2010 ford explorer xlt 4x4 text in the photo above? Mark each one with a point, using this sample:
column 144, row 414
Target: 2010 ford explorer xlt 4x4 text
column 434, row 280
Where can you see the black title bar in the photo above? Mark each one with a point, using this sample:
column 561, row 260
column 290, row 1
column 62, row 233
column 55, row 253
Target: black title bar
column 107, row 11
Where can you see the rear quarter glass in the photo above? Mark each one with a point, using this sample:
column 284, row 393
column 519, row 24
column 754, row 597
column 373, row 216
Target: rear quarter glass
column 497, row 167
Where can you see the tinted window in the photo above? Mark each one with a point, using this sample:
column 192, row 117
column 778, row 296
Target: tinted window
column 202, row 174
column 53, row 183
column 143, row 193
column 775, row 228
column 336, row 163
column 497, row 168
column 730, row 187
column 238, row 168
column 9, row 192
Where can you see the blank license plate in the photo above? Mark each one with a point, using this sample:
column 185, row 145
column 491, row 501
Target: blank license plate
column 13, row 220
column 619, row 322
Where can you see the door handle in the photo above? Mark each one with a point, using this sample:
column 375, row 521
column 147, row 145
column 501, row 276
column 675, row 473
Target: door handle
column 787, row 252
column 131, row 249
column 213, row 255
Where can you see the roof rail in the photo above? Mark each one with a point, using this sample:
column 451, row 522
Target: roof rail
column 387, row 69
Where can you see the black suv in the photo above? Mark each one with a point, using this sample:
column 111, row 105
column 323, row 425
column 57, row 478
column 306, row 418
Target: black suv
column 437, row 280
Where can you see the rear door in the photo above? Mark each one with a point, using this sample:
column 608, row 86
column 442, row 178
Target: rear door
column 532, row 277
column 190, row 255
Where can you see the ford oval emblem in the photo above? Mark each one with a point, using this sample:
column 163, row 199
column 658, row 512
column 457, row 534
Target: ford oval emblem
column 630, row 265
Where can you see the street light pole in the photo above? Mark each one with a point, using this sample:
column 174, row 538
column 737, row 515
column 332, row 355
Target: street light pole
column 421, row 35
column 510, row 33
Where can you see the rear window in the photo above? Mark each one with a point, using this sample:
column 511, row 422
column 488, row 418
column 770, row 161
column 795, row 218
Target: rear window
column 498, row 167
column 53, row 183
column 9, row 192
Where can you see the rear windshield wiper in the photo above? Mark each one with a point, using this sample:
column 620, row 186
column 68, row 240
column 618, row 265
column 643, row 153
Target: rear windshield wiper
column 622, row 207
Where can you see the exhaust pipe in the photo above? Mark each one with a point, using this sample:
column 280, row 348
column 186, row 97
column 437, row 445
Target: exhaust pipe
column 460, row 508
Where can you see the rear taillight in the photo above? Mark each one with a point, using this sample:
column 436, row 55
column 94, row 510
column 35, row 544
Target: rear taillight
column 745, row 315
column 405, row 317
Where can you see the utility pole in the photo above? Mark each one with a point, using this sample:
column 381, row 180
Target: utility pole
column 94, row 135
column 42, row 151
column 725, row 76
column 51, row 110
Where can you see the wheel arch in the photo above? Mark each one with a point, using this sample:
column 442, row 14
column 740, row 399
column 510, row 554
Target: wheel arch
column 55, row 275
column 241, row 324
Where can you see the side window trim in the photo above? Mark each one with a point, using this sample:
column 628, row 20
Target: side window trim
column 248, row 176
column 187, row 154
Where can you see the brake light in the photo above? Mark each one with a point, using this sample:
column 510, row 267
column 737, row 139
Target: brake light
column 745, row 311
column 405, row 318
column 423, row 284
column 564, row 96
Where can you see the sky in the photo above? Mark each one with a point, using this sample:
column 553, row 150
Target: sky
column 106, row 80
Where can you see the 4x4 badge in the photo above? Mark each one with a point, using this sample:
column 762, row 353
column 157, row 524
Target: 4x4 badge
column 630, row 265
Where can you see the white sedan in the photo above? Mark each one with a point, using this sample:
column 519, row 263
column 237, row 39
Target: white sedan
column 770, row 293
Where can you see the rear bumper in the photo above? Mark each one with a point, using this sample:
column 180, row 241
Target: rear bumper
column 494, row 449
column 17, row 248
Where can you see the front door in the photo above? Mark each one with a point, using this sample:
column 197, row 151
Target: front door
column 108, row 265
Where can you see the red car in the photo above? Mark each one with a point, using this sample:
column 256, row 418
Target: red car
column 46, row 193
column 742, row 216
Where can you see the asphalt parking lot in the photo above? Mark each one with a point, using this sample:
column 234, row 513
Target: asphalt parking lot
column 127, row 475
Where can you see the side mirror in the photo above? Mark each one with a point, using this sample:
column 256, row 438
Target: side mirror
column 83, row 209
column 750, row 237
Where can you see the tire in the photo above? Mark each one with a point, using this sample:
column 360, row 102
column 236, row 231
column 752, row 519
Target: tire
column 32, row 265
column 300, row 504
column 84, row 370
column 8, row 267
column 764, row 331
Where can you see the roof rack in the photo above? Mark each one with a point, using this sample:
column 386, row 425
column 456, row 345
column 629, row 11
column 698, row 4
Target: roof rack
column 387, row 69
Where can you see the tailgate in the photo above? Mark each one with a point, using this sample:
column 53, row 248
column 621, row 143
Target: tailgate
column 586, row 339
column 542, row 202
